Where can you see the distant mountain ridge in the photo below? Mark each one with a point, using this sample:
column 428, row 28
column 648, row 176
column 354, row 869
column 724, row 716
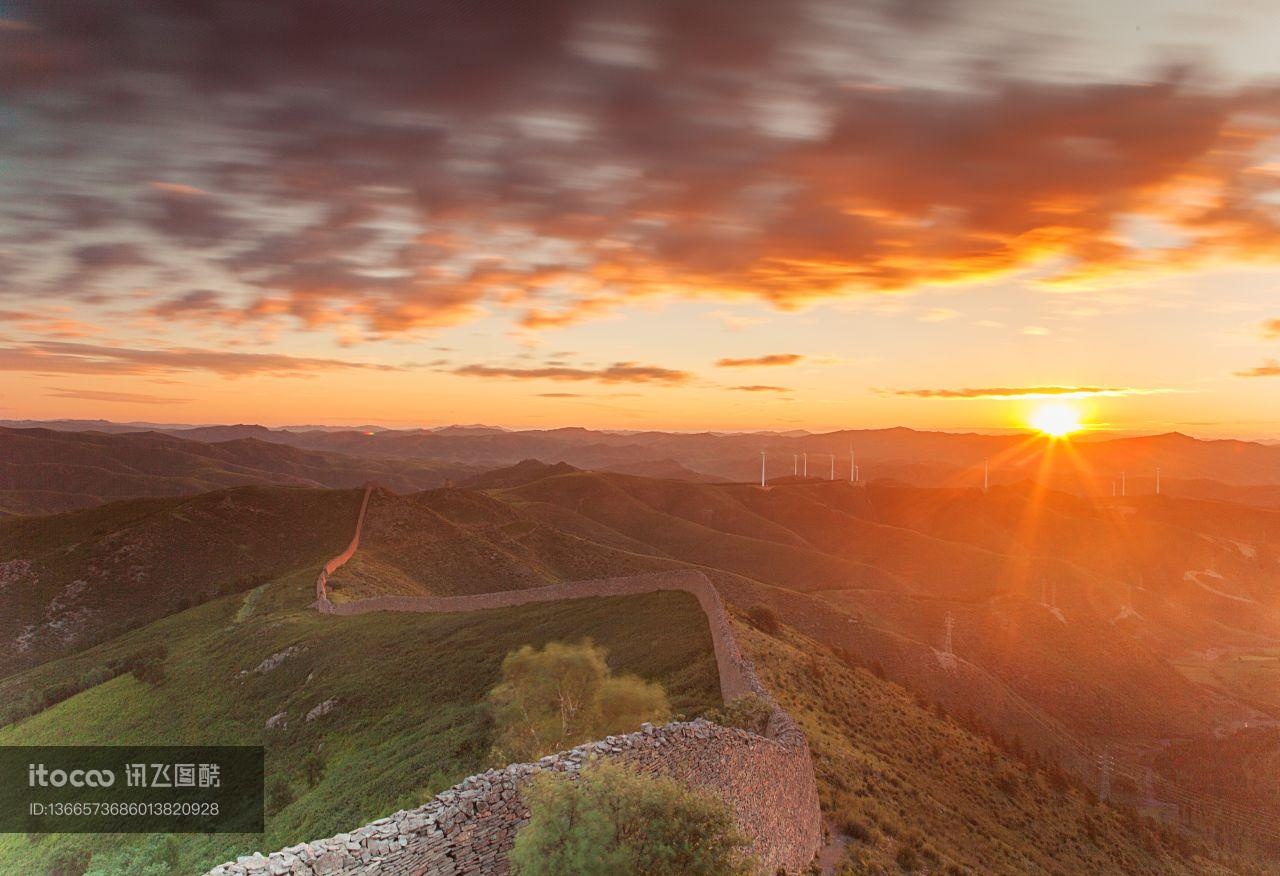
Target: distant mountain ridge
column 1225, row 469
column 43, row 470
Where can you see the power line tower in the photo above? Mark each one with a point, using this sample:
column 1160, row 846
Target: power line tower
column 946, row 654
column 1106, row 762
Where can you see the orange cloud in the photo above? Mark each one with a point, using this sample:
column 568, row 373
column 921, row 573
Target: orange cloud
column 760, row 387
column 620, row 372
column 1269, row 368
column 66, row 358
column 755, row 361
column 122, row 397
column 999, row 392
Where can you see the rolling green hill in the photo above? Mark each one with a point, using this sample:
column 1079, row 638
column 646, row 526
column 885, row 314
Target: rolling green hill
column 405, row 714
column 72, row 580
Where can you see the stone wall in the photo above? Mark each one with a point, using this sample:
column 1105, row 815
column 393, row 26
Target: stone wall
column 766, row 779
column 322, row 580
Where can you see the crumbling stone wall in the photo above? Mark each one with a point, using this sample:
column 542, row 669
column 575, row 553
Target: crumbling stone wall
column 766, row 779
column 322, row 580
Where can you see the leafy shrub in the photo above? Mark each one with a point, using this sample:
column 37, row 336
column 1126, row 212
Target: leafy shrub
column 907, row 857
column 763, row 619
column 73, row 862
column 147, row 665
column 613, row 820
column 56, row 693
column 854, row 827
column 1008, row 783
column 563, row 695
column 279, row 795
column 95, row 676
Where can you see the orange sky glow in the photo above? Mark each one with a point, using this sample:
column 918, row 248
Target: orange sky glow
column 817, row 215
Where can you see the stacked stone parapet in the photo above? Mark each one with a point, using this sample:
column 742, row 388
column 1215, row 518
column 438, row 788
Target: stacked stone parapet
column 471, row 827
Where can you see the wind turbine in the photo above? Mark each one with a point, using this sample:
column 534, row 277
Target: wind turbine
column 806, row 463
column 762, row 468
column 833, row 467
column 853, row 467
column 986, row 474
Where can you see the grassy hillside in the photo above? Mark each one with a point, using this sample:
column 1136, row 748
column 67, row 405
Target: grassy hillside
column 906, row 787
column 71, row 580
column 406, row 690
column 448, row 542
column 43, row 471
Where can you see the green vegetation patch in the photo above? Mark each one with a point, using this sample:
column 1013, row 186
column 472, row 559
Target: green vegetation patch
column 396, row 703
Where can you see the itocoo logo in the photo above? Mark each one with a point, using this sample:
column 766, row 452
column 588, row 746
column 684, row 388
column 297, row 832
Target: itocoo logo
column 38, row 776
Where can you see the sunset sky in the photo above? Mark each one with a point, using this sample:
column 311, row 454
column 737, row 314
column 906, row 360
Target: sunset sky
column 686, row 215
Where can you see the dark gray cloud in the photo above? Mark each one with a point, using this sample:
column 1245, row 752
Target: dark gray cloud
column 200, row 302
column 409, row 164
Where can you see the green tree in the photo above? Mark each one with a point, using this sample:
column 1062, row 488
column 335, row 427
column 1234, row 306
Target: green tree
column 313, row 768
column 614, row 821
column 563, row 695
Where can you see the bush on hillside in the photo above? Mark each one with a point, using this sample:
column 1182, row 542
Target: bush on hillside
column 763, row 619
column 613, row 820
column 313, row 768
column 73, row 862
column 146, row 664
column 563, row 695
column 279, row 795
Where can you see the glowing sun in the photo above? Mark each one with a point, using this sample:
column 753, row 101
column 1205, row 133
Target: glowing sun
column 1056, row 420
